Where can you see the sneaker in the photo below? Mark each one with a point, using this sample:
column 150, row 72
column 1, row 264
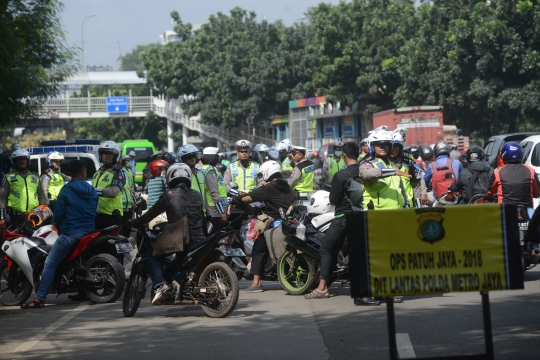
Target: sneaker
column 253, row 289
column 162, row 293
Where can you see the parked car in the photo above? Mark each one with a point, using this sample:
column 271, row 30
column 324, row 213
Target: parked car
column 531, row 156
column 495, row 143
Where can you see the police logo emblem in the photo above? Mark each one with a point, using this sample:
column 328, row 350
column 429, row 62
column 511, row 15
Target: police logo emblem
column 431, row 229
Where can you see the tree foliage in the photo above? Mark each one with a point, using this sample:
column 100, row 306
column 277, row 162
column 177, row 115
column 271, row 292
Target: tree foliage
column 33, row 57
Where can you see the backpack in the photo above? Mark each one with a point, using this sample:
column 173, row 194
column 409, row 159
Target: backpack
column 443, row 177
column 479, row 183
column 355, row 193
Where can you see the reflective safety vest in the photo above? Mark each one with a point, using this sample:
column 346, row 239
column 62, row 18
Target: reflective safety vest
column 305, row 183
column 333, row 167
column 407, row 184
column 286, row 165
column 385, row 193
column 198, row 183
column 56, row 183
column 107, row 206
column 221, row 186
column 246, row 179
column 127, row 198
column 23, row 195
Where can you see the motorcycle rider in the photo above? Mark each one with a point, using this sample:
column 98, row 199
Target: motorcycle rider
column 442, row 156
column 109, row 183
column 189, row 155
column 476, row 169
column 276, row 193
column 156, row 184
column 304, row 171
column 73, row 218
column 174, row 202
column 52, row 180
column 514, row 182
column 18, row 190
column 383, row 188
column 333, row 164
column 284, row 148
column 216, row 193
column 242, row 172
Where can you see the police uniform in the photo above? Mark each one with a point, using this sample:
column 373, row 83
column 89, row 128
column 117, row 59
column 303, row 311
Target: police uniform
column 383, row 190
column 19, row 195
column 330, row 167
column 302, row 176
column 50, row 185
column 128, row 199
column 109, row 184
column 245, row 178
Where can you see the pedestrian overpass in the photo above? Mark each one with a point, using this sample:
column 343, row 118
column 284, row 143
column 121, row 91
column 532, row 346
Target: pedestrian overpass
column 138, row 106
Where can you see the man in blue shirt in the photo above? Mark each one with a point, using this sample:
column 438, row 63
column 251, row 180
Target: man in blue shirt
column 74, row 217
column 441, row 151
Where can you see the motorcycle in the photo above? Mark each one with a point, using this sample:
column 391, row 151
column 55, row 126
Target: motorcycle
column 89, row 266
column 531, row 255
column 448, row 198
column 198, row 276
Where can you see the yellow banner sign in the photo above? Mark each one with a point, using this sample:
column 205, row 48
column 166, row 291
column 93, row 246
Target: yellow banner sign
column 419, row 251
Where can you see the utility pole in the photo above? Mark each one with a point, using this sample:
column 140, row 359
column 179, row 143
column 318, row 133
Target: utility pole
column 120, row 57
column 82, row 38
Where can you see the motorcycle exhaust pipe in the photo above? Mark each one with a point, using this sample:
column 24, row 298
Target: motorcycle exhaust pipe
column 535, row 255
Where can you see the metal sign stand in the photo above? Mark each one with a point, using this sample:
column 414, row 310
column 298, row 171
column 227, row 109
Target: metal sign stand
column 487, row 333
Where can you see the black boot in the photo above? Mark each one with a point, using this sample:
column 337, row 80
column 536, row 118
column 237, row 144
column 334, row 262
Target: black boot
column 367, row 301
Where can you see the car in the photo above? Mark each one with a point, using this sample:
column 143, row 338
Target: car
column 143, row 149
column 531, row 157
column 85, row 150
column 326, row 150
column 495, row 143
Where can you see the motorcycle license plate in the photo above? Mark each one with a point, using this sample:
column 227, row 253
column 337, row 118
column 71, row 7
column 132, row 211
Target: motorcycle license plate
column 523, row 226
column 123, row 248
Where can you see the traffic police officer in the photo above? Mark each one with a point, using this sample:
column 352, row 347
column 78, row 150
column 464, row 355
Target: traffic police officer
column 304, row 171
column 18, row 190
column 52, row 180
column 216, row 192
column 128, row 194
column 189, row 155
column 242, row 172
column 109, row 183
column 332, row 164
column 284, row 148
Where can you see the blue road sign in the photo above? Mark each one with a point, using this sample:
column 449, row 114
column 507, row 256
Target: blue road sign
column 117, row 104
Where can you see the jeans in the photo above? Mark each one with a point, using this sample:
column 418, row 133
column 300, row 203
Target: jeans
column 61, row 248
column 330, row 247
column 155, row 266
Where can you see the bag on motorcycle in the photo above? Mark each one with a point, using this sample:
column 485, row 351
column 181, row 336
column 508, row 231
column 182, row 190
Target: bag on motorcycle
column 275, row 241
column 263, row 223
column 443, row 177
column 175, row 235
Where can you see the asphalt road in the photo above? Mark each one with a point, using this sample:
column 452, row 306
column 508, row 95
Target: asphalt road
column 273, row 325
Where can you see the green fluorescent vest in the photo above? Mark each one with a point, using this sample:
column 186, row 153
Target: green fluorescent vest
column 107, row 206
column 305, row 183
column 286, row 165
column 385, row 192
column 198, row 183
column 245, row 179
column 221, row 186
column 56, row 183
column 407, row 184
column 334, row 166
column 127, row 198
column 23, row 191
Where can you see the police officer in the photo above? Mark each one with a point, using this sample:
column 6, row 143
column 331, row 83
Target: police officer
column 189, row 155
column 304, row 171
column 332, row 164
column 52, row 180
column 383, row 188
column 364, row 149
column 242, row 172
column 109, row 182
column 18, row 190
column 128, row 194
column 284, row 148
column 216, row 192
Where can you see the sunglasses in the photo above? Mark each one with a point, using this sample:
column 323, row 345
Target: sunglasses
column 189, row 156
column 243, row 151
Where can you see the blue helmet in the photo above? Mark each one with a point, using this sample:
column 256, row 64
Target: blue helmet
column 511, row 152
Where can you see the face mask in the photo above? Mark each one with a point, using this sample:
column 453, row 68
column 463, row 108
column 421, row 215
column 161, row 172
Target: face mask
column 338, row 153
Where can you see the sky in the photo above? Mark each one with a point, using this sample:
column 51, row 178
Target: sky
column 140, row 22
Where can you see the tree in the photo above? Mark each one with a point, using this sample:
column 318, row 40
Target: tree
column 33, row 57
column 132, row 61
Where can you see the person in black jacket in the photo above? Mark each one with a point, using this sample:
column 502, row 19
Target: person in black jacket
column 276, row 194
column 476, row 178
column 174, row 202
column 338, row 230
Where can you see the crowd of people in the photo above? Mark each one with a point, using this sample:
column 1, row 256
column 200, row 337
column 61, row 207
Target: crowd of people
column 195, row 182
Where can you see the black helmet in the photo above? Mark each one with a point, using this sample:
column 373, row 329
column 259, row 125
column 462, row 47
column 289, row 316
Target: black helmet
column 221, row 168
column 169, row 157
column 254, row 156
column 426, row 152
column 474, row 153
column 441, row 148
column 414, row 151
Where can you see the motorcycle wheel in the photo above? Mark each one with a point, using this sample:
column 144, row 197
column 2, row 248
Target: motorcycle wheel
column 20, row 289
column 298, row 280
column 134, row 291
column 220, row 275
column 113, row 271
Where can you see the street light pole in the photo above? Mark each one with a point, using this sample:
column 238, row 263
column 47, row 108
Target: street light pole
column 82, row 38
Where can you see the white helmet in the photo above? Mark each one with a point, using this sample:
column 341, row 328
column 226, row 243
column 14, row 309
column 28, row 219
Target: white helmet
column 243, row 145
column 17, row 147
column 319, row 203
column 284, row 145
column 380, row 128
column 186, row 150
column 378, row 137
column 18, row 154
column 273, row 153
column 54, row 155
column 109, row 146
column 268, row 169
column 178, row 173
column 126, row 157
column 398, row 139
column 261, row 147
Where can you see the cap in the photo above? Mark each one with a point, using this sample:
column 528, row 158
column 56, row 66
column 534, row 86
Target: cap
column 210, row 151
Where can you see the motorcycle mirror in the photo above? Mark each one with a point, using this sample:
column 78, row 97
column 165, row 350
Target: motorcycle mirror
column 282, row 213
column 234, row 185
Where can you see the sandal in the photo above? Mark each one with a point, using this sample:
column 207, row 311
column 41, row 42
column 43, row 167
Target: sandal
column 317, row 294
column 34, row 304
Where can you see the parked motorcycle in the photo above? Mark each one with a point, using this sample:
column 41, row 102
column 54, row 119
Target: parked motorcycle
column 89, row 266
column 197, row 275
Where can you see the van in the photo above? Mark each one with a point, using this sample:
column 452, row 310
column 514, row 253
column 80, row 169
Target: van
column 143, row 149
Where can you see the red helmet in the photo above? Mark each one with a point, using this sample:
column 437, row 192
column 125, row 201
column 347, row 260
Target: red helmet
column 157, row 166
